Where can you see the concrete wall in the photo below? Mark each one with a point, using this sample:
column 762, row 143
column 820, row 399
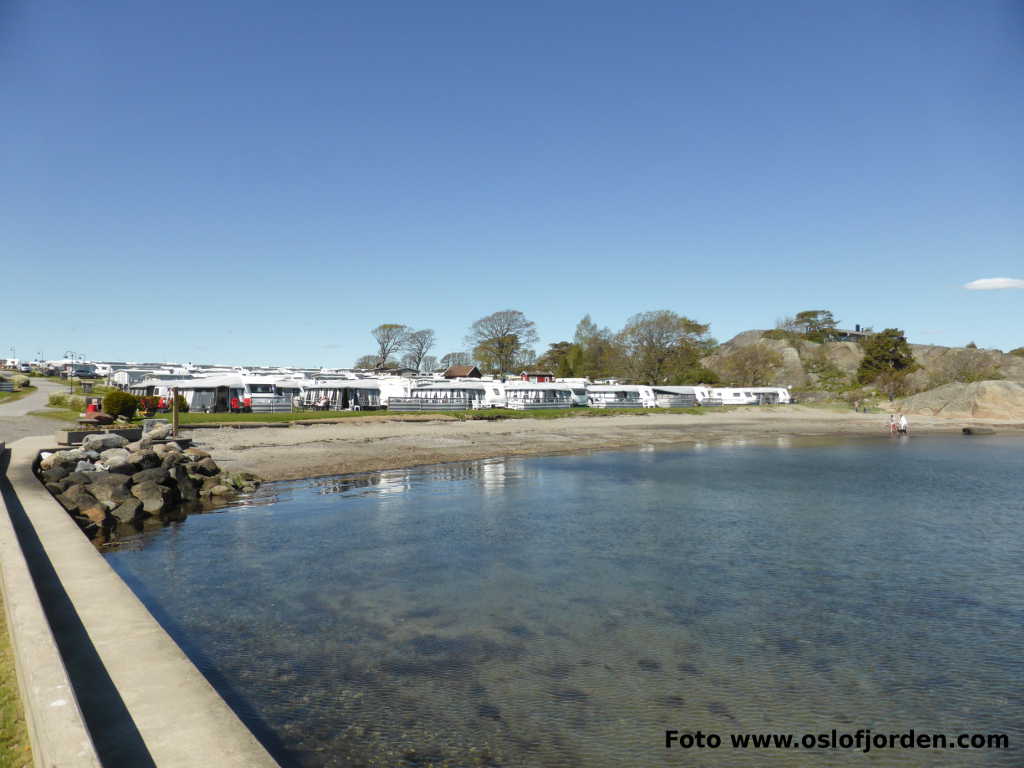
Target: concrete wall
column 137, row 700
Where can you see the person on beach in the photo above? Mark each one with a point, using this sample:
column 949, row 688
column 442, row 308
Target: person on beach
column 904, row 425
column 892, row 423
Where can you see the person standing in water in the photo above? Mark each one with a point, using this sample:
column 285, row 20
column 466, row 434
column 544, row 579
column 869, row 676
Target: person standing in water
column 904, row 425
column 892, row 423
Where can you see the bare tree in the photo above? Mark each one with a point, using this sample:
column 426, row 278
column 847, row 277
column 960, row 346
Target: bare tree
column 497, row 339
column 367, row 362
column 456, row 358
column 417, row 344
column 390, row 338
column 428, row 364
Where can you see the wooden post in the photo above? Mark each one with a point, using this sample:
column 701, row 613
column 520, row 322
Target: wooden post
column 174, row 411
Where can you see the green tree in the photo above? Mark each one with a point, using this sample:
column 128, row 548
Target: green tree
column 886, row 352
column 500, row 340
column 815, row 324
column 752, row 365
column 662, row 346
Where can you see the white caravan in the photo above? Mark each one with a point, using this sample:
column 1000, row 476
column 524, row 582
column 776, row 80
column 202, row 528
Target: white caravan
column 620, row 396
column 528, row 395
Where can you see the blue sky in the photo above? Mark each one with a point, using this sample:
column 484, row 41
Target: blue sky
column 263, row 182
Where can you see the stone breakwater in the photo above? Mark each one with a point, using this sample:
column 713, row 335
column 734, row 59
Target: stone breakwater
column 110, row 481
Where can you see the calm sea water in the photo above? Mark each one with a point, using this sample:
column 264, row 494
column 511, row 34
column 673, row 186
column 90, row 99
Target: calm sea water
column 567, row 611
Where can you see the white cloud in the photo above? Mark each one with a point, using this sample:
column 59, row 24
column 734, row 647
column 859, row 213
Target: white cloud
column 994, row 284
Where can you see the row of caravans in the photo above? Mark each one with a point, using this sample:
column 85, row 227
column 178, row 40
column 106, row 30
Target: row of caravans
column 261, row 394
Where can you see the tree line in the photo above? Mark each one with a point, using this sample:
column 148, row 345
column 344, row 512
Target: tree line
column 663, row 347
column 658, row 347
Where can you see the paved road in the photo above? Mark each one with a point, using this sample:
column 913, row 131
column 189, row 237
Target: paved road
column 15, row 423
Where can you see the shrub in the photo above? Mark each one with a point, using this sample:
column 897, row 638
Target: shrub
column 182, row 403
column 57, row 401
column 76, row 403
column 119, row 403
column 20, row 381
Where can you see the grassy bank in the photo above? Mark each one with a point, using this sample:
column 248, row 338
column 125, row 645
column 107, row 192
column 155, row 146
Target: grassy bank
column 10, row 397
column 14, row 744
column 489, row 414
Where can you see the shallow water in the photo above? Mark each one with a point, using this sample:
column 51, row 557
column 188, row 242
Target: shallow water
column 566, row 611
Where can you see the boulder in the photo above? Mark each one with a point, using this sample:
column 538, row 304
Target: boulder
column 188, row 490
column 146, row 459
column 122, row 466
column 111, row 453
column 112, row 492
column 110, row 479
column 136, row 446
column 196, row 453
column 128, row 510
column 95, row 513
column 84, row 466
column 77, row 497
column 154, row 497
column 221, row 490
column 79, row 478
column 55, row 488
column 54, row 475
column 72, row 457
column 207, row 467
column 102, row 441
column 156, row 475
column 156, row 431
column 173, row 458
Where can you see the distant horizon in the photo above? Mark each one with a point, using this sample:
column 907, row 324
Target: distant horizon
column 249, row 181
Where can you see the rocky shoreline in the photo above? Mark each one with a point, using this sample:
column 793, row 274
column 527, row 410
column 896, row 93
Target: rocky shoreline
column 110, row 482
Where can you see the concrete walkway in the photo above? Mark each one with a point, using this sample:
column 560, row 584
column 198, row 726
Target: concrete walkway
column 15, row 422
column 137, row 697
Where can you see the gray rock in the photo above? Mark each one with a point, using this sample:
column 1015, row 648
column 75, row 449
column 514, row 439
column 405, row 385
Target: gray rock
column 79, row 478
column 111, row 478
column 103, row 441
column 206, row 467
column 156, row 475
column 54, row 475
column 196, row 453
column 146, row 459
column 154, row 497
column 221, row 490
column 96, row 513
column 133, row 447
column 111, row 453
column 156, row 431
column 72, row 456
column 122, row 465
column 92, row 455
column 55, row 488
column 84, row 466
column 109, row 494
column 76, row 498
column 188, row 490
column 128, row 510
column 173, row 460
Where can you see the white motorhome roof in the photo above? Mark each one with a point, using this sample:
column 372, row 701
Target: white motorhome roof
column 615, row 387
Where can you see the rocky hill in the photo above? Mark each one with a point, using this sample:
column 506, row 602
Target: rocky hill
column 813, row 365
column 981, row 399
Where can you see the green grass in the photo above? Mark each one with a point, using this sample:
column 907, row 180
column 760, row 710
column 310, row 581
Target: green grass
column 10, row 397
column 14, row 744
column 488, row 414
column 57, row 415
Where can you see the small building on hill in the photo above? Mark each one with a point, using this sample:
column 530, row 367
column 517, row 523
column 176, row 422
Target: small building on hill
column 463, row 372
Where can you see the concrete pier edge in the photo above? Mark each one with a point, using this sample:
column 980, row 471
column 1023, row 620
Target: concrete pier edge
column 56, row 729
column 159, row 699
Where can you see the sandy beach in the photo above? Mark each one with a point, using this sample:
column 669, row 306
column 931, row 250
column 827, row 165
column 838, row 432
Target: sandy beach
column 391, row 442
